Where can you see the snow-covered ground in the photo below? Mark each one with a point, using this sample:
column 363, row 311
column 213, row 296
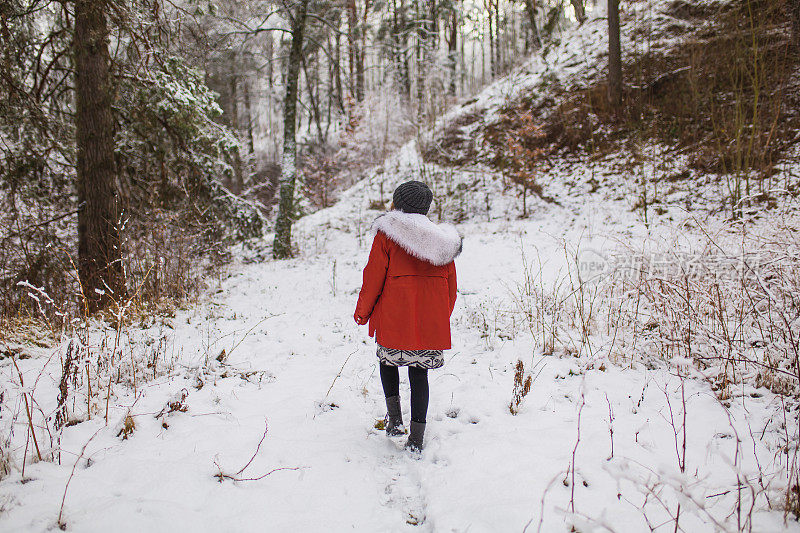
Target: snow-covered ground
column 296, row 363
column 597, row 444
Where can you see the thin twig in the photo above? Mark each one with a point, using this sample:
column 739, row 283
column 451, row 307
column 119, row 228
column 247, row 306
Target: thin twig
column 221, row 475
column 575, row 450
column 249, row 331
column 339, row 374
column 264, row 436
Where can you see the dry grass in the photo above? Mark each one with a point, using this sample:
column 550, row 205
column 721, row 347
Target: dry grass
column 91, row 359
column 727, row 95
column 522, row 386
column 167, row 254
column 726, row 305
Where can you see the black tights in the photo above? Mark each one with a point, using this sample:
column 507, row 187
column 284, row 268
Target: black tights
column 418, row 377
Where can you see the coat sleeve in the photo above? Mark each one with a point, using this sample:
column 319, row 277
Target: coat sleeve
column 374, row 277
column 452, row 285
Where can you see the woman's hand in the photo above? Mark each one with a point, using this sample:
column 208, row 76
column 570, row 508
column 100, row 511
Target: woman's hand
column 360, row 320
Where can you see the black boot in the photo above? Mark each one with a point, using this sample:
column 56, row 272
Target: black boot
column 394, row 418
column 415, row 438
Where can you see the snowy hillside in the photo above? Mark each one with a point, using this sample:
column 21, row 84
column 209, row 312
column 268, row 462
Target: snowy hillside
column 259, row 404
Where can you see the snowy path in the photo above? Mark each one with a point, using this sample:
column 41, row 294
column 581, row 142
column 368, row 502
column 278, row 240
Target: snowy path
column 287, row 336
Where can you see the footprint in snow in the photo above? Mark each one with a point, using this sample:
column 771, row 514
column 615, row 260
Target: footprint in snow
column 399, row 470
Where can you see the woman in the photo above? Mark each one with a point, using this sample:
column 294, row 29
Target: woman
column 407, row 296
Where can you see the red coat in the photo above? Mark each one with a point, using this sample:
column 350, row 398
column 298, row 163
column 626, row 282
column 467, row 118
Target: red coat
column 408, row 301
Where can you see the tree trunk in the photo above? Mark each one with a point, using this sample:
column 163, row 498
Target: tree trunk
column 498, row 45
column 463, row 57
column 362, row 52
column 314, row 115
column 452, row 50
column 163, row 192
column 270, row 88
column 282, row 245
column 433, row 25
column 269, row 52
column 400, row 36
column 248, row 107
column 429, row 51
column 794, row 15
column 238, row 171
column 337, row 72
column 492, row 66
column 422, row 55
column 99, row 255
column 356, row 67
column 580, row 10
column 483, row 59
column 614, row 56
column 331, row 94
column 512, row 42
column 530, row 8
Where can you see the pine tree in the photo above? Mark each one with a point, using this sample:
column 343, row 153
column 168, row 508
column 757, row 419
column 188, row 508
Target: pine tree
column 99, row 256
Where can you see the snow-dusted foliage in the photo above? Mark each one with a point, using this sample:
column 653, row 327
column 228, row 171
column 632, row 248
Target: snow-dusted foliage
column 172, row 159
column 177, row 149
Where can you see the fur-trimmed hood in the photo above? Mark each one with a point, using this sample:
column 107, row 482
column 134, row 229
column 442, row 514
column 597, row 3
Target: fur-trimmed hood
column 437, row 244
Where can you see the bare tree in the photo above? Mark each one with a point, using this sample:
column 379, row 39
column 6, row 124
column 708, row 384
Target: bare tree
column 614, row 56
column 99, row 255
column 282, row 245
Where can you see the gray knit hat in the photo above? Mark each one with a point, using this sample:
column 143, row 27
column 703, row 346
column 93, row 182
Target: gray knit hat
column 413, row 197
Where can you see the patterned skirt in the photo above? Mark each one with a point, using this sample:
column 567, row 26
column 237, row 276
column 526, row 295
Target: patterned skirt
column 419, row 358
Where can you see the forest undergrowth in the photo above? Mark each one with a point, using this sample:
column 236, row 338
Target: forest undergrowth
column 719, row 305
